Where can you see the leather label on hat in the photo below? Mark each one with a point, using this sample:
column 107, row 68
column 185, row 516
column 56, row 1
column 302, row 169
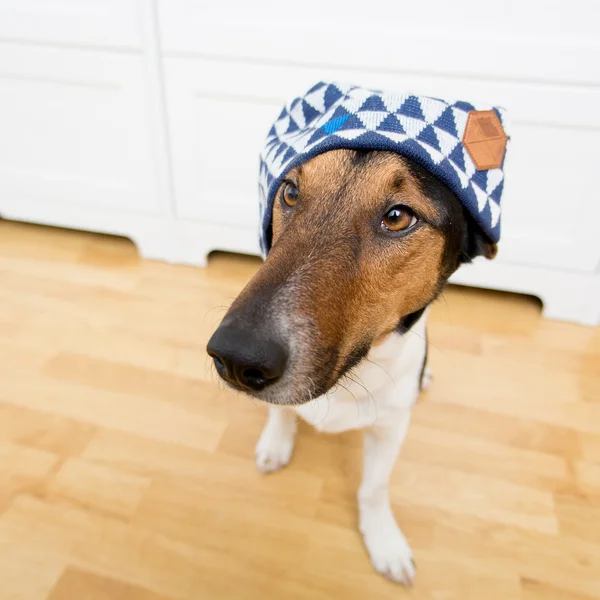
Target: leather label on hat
column 485, row 139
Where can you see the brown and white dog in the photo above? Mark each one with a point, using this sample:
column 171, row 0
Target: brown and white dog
column 363, row 242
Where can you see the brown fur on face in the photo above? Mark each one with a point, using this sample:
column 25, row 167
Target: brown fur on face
column 334, row 281
column 368, row 279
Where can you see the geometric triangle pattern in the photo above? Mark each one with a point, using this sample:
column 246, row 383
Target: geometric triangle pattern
column 429, row 131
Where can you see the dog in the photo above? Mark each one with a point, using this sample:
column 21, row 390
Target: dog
column 363, row 242
column 370, row 202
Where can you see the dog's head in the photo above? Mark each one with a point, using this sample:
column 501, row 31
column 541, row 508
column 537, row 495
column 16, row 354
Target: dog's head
column 361, row 242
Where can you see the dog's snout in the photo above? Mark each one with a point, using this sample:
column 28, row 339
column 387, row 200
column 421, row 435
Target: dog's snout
column 245, row 359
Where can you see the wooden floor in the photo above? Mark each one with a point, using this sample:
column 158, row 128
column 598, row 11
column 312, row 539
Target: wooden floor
column 127, row 473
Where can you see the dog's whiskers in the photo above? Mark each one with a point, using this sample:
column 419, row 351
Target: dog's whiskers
column 358, row 381
column 340, row 384
column 372, row 362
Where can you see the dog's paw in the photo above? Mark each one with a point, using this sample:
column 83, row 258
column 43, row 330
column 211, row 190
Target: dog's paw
column 273, row 452
column 274, row 448
column 389, row 551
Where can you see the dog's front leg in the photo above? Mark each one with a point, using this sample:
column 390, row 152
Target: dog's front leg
column 389, row 550
column 276, row 443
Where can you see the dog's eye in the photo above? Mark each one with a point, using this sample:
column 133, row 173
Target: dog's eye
column 289, row 194
column 398, row 218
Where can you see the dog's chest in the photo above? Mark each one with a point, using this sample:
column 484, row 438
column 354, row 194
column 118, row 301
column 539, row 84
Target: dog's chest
column 379, row 390
column 339, row 412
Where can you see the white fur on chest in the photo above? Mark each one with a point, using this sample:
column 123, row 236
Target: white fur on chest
column 382, row 388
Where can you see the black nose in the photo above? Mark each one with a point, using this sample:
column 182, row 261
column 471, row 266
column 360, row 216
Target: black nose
column 246, row 359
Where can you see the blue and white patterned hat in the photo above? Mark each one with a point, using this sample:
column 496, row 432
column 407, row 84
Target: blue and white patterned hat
column 463, row 145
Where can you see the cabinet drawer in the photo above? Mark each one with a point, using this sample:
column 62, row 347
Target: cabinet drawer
column 539, row 40
column 77, row 127
column 106, row 23
column 215, row 143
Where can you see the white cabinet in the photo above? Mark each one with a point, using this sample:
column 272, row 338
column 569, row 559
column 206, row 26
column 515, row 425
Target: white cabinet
column 82, row 132
column 145, row 117
column 76, row 130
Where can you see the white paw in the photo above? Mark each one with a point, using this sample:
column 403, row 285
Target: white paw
column 274, row 448
column 389, row 551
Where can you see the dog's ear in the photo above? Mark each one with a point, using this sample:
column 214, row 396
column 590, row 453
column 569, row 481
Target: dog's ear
column 476, row 243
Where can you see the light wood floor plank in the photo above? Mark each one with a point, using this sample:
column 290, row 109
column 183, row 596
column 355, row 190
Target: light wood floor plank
column 127, row 471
